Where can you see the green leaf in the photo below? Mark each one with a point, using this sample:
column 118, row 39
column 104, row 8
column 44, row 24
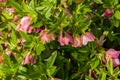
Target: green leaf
column 95, row 62
column 16, row 5
column 51, row 59
column 88, row 78
column 117, row 14
column 103, row 76
column 25, row 36
column 38, row 24
column 98, row 1
column 74, row 75
column 22, row 69
column 51, row 70
column 8, row 61
column 13, row 40
column 39, row 48
column 32, row 3
column 110, row 67
column 116, row 23
column 111, row 36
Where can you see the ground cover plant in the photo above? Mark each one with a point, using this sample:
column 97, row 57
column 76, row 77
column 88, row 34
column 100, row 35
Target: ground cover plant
column 59, row 39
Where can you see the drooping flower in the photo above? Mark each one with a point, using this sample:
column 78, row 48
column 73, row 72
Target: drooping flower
column 29, row 59
column 24, row 24
column 77, row 41
column 65, row 39
column 87, row 37
column 15, row 19
column 108, row 13
column 45, row 36
column 113, row 54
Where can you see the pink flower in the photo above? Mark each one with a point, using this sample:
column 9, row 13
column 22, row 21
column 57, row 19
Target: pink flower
column 116, row 62
column 77, row 42
column 22, row 40
column 2, row 0
column 113, row 54
column 29, row 59
column 24, row 24
column 9, row 53
column 87, row 37
column 46, row 37
column 15, row 19
column 107, row 13
column 64, row 40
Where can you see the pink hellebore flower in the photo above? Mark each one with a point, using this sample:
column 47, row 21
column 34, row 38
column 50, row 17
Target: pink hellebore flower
column 46, row 37
column 15, row 19
column 29, row 59
column 64, row 40
column 87, row 37
column 24, row 24
column 113, row 54
column 107, row 13
column 77, row 42
column 2, row 0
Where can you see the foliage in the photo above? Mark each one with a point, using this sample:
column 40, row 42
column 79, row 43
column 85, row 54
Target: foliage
column 27, row 54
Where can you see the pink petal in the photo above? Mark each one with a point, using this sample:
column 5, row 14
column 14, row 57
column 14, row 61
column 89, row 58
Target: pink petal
column 116, row 62
column 87, row 37
column 77, row 42
column 9, row 53
column 15, row 19
column 112, row 53
column 45, row 37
